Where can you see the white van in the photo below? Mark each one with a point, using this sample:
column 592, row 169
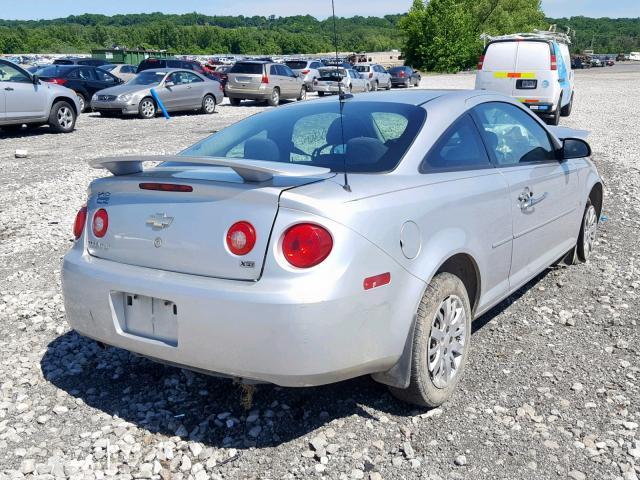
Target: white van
column 533, row 68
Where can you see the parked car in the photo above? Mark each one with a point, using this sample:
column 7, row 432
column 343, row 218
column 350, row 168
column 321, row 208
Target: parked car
column 25, row 100
column 308, row 70
column 221, row 74
column 262, row 80
column 609, row 62
column 124, row 72
column 455, row 201
column 336, row 79
column 405, row 77
column 156, row 63
column 84, row 80
column 179, row 90
column 621, row 57
column 536, row 70
column 377, row 75
column 92, row 62
column 596, row 62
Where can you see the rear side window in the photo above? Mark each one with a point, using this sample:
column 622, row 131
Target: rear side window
column 151, row 63
column 533, row 56
column 500, row 56
column 247, row 68
column 460, row 148
column 296, row 65
column 512, row 136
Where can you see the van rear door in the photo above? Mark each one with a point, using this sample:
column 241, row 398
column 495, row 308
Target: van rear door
column 533, row 80
column 499, row 63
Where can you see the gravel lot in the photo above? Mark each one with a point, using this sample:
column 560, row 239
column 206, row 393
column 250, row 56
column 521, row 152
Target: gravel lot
column 552, row 389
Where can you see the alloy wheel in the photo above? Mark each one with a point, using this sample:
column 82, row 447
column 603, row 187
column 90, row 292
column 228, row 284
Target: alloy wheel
column 65, row 117
column 590, row 230
column 148, row 110
column 209, row 104
column 447, row 341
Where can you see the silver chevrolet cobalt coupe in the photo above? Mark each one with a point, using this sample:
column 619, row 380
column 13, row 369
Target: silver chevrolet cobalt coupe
column 331, row 239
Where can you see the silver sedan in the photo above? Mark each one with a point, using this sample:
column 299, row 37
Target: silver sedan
column 331, row 239
column 178, row 90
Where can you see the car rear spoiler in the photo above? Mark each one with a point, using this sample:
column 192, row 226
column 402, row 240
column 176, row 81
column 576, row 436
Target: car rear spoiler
column 565, row 132
column 249, row 170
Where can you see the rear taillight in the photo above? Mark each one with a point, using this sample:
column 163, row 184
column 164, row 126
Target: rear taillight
column 81, row 220
column 305, row 71
column 481, row 62
column 265, row 78
column 370, row 74
column 100, row 223
column 306, row 245
column 241, row 238
column 402, row 75
column 57, row 81
column 554, row 63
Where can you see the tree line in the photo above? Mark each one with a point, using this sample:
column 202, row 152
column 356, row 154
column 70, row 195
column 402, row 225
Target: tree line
column 438, row 35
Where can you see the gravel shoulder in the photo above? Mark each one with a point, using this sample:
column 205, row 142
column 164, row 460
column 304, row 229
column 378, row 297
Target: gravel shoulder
column 551, row 390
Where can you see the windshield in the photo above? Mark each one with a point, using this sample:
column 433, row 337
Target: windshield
column 372, row 137
column 147, row 78
column 296, row 65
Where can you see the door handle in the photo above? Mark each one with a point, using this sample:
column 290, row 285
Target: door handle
column 9, row 89
column 526, row 199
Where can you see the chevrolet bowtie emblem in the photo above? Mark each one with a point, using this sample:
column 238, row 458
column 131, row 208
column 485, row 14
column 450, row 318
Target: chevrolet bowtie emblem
column 159, row 221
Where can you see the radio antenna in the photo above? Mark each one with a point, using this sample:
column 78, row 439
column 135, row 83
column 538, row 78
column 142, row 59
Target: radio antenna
column 341, row 98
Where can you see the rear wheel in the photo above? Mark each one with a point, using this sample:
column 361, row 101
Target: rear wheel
column 389, row 85
column 588, row 232
column 82, row 101
column 147, row 108
column 440, row 343
column 274, row 99
column 208, row 104
column 566, row 110
column 62, row 118
column 554, row 118
column 303, row 94
column 235, row 102
column 375, row 86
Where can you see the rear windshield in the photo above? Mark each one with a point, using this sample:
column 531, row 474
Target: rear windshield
column 369, row 137
column 63, row 62
column 332, row 74
column 147, row 78
column 54, row 70
column 296, row 65
column 247, row 68
column 397, row 69
column 362, row 68
column 151, row 63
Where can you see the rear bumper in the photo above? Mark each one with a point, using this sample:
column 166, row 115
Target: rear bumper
column 400, row 81
column 248, row 94
column 263, row 331
column 328, row 88
column 540, row 107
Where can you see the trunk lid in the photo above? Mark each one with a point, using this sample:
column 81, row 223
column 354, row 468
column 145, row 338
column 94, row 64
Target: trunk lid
column 185, row 232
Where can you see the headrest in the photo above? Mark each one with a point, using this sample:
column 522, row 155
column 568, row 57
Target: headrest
column 365, row 151
column 353, row 127
column 261, row 149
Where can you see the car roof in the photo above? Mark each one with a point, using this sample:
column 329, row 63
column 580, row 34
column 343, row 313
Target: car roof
column 411, row 97
column 258, row 62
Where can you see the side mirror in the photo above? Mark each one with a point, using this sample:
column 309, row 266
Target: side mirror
column 168, row 84
column 575, row 148
column 35, row 79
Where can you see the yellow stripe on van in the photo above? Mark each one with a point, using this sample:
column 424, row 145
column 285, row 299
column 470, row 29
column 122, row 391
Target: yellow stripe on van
column 528, row 75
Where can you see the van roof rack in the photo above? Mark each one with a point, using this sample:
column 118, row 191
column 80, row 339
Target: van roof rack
column 550, row 34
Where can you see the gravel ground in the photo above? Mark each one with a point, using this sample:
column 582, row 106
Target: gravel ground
column 552, row 388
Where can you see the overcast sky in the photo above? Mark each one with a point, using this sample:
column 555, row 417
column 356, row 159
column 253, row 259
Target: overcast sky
column 35, row 9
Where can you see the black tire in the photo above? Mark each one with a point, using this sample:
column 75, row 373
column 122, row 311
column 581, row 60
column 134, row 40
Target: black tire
column 554, row 118
column 375, row 87
column 407, row 83
column 422, row 390
column 274, row 98
column 321, row 94
column 208, row 104
column 62, row 118
column 566, row 110
column 147, row 108
column 303, row 94
column 585, row 248
column 389, row 85
column 83, row 102
column 235, row 102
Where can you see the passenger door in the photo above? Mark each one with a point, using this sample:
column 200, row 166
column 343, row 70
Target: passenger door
column 543, row 190
column 288, row 81
column 175, row 94
column 194, row 89
column 22, row 99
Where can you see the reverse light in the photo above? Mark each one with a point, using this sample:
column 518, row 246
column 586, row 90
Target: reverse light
column 554, row 63
column 481, row 62
column 100, row 223
column 377, row 281
column 81, row 220
column 306, row 245
column 241, row 238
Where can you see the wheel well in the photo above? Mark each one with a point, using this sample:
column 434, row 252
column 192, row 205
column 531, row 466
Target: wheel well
column 65, row 99
column 464, row 267
column 596, row 198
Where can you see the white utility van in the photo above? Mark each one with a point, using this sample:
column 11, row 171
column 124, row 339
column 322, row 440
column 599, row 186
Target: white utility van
column 534, row 68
